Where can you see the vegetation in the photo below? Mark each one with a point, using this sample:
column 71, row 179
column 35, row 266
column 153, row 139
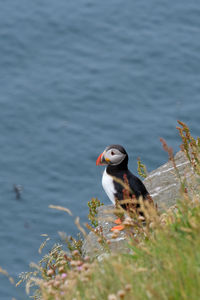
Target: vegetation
column 163, row 261
column 142, row 171
column 93, row 206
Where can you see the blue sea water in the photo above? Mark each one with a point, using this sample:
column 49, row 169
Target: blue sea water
column 76, row 76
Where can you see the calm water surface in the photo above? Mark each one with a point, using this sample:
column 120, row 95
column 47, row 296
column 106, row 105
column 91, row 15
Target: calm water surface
column 76, row 76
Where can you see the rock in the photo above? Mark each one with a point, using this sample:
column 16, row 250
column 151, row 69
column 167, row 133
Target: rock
column 163, row 185
column 92, row 247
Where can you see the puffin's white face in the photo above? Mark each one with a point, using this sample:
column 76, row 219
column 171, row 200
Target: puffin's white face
column 111, row 156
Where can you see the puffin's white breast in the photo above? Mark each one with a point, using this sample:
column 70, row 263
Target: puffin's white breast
column 108, row 185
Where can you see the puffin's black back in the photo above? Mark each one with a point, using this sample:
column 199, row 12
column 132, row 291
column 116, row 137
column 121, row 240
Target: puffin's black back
column 136, row 185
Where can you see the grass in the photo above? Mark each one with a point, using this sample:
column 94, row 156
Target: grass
column 166, row 266
column 163, row 262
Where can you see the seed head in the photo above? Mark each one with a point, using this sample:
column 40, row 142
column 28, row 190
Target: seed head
column 121, row 294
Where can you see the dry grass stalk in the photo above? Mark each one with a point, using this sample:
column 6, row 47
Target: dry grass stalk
column 61, row 208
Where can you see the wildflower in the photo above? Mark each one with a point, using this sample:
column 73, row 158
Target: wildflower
column 79, row 263
column 50, row 272
column 141, row 218
column 73, row 263
column 64, row 275
column 75, row 253
column 112, row 297
column 115, row 234
column 63, row 262
column 86, row 258
column 121, row 294
column 128, row 222
column 61, row 269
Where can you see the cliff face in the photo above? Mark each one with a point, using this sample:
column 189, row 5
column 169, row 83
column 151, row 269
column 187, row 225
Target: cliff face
column 164, row 187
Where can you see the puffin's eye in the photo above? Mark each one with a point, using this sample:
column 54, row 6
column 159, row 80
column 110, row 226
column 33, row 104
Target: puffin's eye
column 112, row 153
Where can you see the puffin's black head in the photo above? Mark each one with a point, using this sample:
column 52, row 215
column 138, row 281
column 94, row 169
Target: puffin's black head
column 113, row 155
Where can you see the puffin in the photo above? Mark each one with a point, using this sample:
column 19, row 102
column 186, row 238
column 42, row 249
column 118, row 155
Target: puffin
column 115, row 174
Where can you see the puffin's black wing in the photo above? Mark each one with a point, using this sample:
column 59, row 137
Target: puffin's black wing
column 138, row 189
column 137, row 186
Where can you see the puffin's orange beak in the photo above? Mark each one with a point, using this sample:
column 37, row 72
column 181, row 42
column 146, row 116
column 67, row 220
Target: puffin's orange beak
column 100, row 160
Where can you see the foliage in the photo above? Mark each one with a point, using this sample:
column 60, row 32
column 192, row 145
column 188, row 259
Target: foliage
column 93, row 207
column 163, row 263
column 142, row 170
column 74, row 244
column 164, row 266
column 190, row 146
